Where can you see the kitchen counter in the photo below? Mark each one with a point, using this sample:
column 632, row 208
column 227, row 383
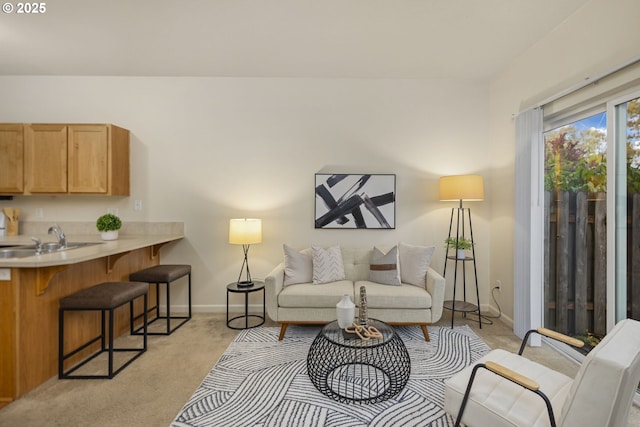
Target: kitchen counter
column 31, row 288
column 125, row 243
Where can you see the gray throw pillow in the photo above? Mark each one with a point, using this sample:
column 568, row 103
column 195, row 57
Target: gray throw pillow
column 383, row 268
column 414, row 263
column 298, row 266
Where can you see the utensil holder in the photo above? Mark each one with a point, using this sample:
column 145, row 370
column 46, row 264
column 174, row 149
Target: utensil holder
column 12, row 228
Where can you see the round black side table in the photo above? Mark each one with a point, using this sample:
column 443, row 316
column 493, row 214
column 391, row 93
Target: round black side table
column 233, row 288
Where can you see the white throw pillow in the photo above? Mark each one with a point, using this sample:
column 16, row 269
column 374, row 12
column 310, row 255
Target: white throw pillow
column 327, row 265
column 414, row 262
column 298, row 266
column 383, row 268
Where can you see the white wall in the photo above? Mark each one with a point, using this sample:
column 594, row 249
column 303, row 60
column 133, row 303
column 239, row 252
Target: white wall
column 601, row 35
column 204, row 150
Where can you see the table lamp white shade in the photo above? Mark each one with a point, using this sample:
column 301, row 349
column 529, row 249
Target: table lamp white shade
column 245, row 231
column 461, row 187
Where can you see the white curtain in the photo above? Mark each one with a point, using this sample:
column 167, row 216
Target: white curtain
column 528, row 227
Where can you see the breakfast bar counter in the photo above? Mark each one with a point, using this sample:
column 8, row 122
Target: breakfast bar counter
column 32, row 286
column 125, row 243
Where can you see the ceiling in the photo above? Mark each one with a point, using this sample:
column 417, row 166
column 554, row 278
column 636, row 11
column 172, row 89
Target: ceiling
column 467, row 39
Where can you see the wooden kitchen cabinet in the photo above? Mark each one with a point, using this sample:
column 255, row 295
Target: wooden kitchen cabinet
column 11, row 158
column 98, row 160
column 64, row 159
column 45, row 160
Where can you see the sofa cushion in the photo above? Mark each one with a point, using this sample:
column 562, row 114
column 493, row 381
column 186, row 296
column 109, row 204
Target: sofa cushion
column 327, row 264
column 313, row 296
column 383, row 267
column 356, row 263
column 384, row 296
column 414, row 262
column 298, row 265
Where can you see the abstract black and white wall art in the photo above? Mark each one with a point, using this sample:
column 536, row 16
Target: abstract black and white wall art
column 355, row 201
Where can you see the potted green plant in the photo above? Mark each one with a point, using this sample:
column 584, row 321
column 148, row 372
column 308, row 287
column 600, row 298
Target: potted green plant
column 108, row 226
column 460, row 244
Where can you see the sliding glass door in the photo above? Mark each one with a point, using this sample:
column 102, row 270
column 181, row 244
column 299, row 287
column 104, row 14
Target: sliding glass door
column 592, row 221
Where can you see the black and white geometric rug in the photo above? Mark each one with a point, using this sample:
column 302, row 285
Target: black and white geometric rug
column 260, row 381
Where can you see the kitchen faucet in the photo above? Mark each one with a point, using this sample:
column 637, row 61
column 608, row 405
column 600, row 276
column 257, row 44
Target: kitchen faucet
column 62, row 239
column 38, row 243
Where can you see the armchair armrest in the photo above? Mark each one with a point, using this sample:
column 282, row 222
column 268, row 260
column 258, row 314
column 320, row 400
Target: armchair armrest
column 550, row 334
column 512, row 376
column 273, row 284
column 435, row 285
column 560, row 337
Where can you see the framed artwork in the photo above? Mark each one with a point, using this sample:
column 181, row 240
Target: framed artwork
column 355, row 201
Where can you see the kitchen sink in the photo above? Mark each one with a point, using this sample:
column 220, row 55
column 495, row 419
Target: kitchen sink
column 47, row 248
column 15, row 253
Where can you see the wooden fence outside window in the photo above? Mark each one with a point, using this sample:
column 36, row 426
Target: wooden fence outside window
column 575, row 278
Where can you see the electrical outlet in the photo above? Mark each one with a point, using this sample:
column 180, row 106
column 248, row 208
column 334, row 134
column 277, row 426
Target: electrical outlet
column 39, row 213
column 137, row 205
column 499, row 285
column 113, row 211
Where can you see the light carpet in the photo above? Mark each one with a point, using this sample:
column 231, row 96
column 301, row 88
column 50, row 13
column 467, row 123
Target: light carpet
column 260, row 381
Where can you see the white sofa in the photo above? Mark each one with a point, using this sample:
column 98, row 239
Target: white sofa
column 419, row 303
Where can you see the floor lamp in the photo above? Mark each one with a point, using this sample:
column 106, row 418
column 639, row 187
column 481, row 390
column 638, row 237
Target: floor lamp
column 245, row 232
column 461, row 188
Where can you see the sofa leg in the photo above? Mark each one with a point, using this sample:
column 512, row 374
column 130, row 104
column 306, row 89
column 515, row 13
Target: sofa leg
column 283, row 329
column 425, row 332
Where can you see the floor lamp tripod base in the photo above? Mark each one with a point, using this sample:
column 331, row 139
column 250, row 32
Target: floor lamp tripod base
column 457, row 305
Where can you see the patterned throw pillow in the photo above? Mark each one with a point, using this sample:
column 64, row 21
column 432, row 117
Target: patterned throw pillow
column 383, row 268
column 414, row 262
column 298, row 266
column 327, row 265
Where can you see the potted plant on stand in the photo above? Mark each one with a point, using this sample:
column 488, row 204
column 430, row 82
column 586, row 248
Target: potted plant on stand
column 461, row 245
column 108, row 226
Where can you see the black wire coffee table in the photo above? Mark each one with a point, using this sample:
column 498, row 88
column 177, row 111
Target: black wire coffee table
column 353, row 370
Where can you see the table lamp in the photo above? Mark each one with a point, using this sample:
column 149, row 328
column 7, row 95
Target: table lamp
column 245, row 232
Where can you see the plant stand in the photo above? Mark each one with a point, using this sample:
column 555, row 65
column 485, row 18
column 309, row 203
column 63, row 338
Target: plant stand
column 462, row 306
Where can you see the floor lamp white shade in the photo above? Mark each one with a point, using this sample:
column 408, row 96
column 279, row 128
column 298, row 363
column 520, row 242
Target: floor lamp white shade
column 461, row 187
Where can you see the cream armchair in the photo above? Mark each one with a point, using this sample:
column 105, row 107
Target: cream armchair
column 506, row 389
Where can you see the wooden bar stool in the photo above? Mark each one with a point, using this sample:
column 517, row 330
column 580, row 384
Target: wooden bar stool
column 164, row 274
column 105, row 297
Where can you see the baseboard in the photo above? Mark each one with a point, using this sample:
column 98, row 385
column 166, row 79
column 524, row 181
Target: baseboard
column 219, row 308
column 239, row 308
column 494, row 312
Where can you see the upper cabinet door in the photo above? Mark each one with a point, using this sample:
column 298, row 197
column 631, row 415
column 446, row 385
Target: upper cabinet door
column 11, row 158
column 88, row 159
column 45, row 158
